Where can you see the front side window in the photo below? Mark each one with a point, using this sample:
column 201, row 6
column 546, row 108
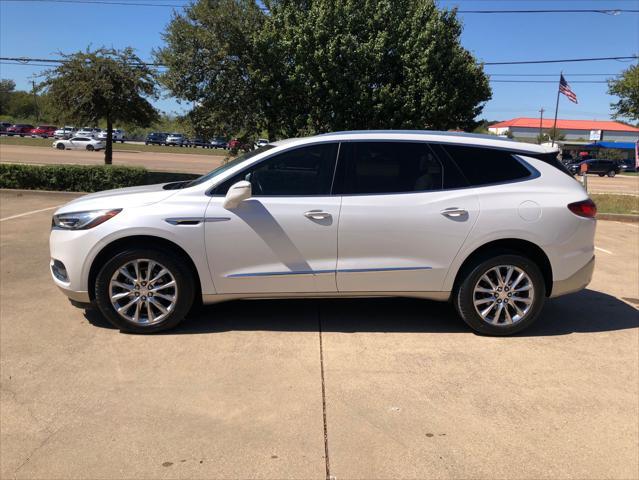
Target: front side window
column 305, row 171
column 388, row 167
column 485, row 166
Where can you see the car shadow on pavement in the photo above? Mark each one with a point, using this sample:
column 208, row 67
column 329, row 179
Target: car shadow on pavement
column 583, row 312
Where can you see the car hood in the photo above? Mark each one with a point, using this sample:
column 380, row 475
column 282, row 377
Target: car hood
column 119, row 198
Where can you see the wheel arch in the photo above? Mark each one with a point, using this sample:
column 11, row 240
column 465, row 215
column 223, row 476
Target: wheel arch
column 133, row 241
column 508, row 245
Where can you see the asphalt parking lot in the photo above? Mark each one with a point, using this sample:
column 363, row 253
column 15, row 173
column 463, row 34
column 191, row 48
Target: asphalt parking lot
column 371, row 389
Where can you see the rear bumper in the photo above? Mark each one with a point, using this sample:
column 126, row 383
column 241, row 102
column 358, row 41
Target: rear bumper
column 578, row 281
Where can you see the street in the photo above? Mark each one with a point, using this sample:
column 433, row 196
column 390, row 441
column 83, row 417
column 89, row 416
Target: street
column 389, row 388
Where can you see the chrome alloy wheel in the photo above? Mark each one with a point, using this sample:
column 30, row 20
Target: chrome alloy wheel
column 143, row 291
column 503, row 295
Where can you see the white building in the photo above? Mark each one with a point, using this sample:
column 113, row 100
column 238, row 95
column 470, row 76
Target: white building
column 584, row 130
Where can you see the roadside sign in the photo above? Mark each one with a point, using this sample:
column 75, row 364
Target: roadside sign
column 583, row 168
column 595, row 135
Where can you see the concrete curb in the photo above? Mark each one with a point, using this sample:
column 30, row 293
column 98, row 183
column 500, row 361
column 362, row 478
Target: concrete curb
column 618, row 217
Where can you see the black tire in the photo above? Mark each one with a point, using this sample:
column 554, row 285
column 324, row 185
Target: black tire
column 612, row 173
column 463, row 297
column 174, row 264
column 90, row 148
column 60, row 146
column 602, row 174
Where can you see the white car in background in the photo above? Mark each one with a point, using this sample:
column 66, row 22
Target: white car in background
column 79, row 143
column 118, row 135
column 175, row 139
column 261, row 142
column 65, row 132
column 88, row 132
column 493, row 226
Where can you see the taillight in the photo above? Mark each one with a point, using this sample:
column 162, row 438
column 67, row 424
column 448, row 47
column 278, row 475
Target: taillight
column 585, row 208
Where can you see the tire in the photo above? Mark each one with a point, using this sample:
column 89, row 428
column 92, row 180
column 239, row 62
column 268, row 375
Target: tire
column 183, row 292
column 60, row 146
column 602, row 174
column 612, row 173
column 473, row 276
column 90, row 148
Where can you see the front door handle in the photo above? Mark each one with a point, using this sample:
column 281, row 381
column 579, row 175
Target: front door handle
column 454, row 212
column 317, row 215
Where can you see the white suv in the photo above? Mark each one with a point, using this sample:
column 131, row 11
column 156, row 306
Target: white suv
column 492, row 225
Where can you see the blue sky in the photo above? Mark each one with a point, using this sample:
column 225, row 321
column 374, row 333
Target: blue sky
column 41, row 29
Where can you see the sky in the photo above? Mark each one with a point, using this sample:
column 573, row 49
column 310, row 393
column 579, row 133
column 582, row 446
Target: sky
column 41, row 29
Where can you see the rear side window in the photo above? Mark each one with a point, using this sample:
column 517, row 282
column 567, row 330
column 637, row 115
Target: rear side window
column 484, row 166
column 388, row 167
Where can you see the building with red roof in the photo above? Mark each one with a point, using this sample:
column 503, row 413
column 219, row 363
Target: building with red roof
column 577, row 130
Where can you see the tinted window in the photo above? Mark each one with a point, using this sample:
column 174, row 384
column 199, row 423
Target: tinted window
column 483, row 166
column 388, row 167
column 300, row 172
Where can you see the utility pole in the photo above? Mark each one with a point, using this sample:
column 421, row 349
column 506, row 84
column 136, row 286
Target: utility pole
column 35, row 101
column 541, row 123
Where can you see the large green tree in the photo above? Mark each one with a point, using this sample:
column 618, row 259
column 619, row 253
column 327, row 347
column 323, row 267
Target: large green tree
column 310, row 66
column 626, row 87
column 103, row 84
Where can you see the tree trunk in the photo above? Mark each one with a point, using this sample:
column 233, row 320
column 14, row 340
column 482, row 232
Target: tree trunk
column 108, row 151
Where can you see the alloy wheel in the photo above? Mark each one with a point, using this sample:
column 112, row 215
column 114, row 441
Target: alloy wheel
column 503, row 295
column 143, row 291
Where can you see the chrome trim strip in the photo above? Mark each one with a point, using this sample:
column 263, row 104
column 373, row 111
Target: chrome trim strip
column 194, row 220
column 317, row 272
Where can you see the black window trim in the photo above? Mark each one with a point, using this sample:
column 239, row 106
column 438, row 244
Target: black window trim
column 534, row 173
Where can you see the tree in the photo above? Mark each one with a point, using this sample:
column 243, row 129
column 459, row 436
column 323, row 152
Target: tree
column 626, row 87
column 107, row 84
column 7, row 87
column 311, row 66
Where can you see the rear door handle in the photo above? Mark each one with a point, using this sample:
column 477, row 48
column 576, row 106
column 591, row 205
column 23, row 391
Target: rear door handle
column 316, row 214
column 454, row 212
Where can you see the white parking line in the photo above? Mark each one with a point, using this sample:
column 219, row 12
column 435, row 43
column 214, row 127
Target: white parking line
column 604, row 250
column 29, row 213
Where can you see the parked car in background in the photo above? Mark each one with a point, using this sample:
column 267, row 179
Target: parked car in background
column 3, row 127
column 156, row 138
column 20, row 129
column 600, row 167
column 44, row 131
column 493, row 226
column 91, row 132
column 176, row 139
column 65, row 132
column 117, row 135
column 219, row 142
column 261, row 142
column 197, row 142
column 79, row 143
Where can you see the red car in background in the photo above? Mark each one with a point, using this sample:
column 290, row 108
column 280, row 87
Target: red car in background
column 21, row 129
column 44, row 131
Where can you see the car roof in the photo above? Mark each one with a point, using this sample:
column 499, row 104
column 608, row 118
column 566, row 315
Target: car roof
column 458, row 138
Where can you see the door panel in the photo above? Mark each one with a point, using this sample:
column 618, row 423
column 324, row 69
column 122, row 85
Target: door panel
column 401, row 242
column 269, row 245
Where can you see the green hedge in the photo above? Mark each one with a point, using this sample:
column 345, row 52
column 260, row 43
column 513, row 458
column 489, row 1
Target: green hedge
column 80, row 178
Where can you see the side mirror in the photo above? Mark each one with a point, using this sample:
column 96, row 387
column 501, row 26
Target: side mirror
column 237, row 193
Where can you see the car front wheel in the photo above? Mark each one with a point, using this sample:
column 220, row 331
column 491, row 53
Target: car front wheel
column 612, row 173
column 144, row 291
column 501, row 295
column 60, row 146
column 90, row 148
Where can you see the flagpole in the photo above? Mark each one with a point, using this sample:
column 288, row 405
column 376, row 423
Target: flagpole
column 554, row 125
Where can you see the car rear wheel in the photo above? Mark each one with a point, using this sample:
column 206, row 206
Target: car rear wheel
column 144, row 291
column 90, row 148
column 60, row 146
column 612, row 173
column 501, row 295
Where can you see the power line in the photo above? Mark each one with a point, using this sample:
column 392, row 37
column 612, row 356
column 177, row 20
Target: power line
column 565, row 60
column 546, row 81
column 552, row 74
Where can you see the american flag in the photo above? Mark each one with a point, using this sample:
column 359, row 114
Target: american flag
column 565, row 89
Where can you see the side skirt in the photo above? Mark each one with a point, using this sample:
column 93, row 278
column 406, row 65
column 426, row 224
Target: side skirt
column 217, row 298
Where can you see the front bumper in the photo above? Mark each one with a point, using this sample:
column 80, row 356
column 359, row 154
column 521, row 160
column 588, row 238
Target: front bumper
column 578, row 281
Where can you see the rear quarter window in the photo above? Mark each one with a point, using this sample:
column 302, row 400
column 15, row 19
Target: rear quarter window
column 485, row 166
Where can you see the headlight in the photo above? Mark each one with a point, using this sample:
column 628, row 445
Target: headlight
column 83, row 220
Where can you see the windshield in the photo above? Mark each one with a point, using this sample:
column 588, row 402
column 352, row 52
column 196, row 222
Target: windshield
column 228, row 165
